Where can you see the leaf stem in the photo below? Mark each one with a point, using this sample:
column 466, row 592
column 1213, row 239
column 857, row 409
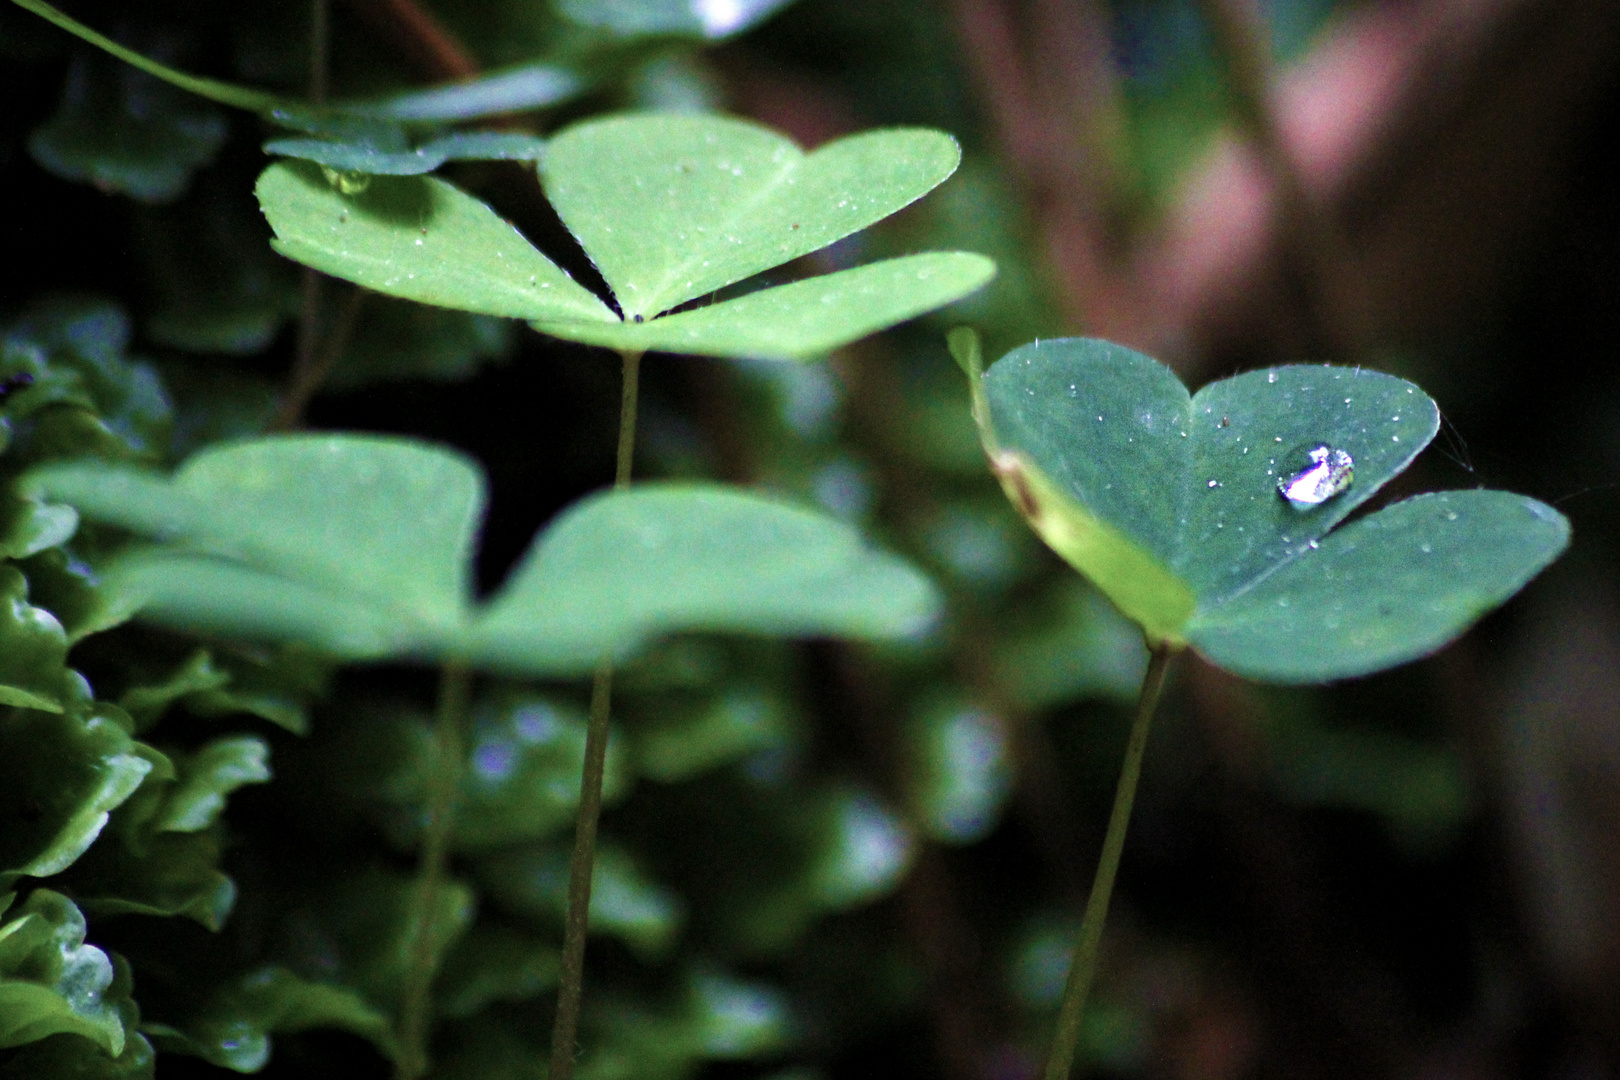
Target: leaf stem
column 565, row 1029
column 444, row 779
column 1083, row 968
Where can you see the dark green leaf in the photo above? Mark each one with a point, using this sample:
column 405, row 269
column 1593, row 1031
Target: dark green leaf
column 33, row 648
column 122, row 130
column 396, row 340
column 62, row 773
column 494, row 964
column 1094, row 440
column 1385, row 589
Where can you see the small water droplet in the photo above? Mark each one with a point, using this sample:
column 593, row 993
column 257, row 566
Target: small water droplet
column 1271, row 377
column 1451, row 515
column 1314, row 545
column 1214, row 483
column 1314, row 474
column 1395, row 419
column 1099, row 419
column 1426, row 549
column 1394, row 438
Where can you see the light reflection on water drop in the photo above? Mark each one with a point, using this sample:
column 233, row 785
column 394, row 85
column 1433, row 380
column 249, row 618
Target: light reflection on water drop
column 1315, row 474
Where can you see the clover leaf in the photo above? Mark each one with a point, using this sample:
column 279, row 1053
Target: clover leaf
column 1170, row 503
column 670, row 209
column 361, row 546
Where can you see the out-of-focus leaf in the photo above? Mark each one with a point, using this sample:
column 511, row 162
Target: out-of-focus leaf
column 625, row 901
column 359, row 546
column 958, row 770
column 29, row 526
column 621, row 568
column 357, row 931
column 51, row 982
column 124, row 131
column 197, row 674
column 71, row 591
column 516, row 89
column 216, row 286
column 397, row 340
column 720, row 1017
column 494, row 964
column 710, row 19
column 522, row 777
column 63, row 774
column 676, row 743
column 273, row 687
column 1075, row 645
column 236, row 1033
column 88, row 397
column 160, row 852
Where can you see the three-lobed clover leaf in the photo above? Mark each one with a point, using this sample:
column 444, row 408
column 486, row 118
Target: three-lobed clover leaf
column 361, row 546
column 669, row 208
column 1170, row 503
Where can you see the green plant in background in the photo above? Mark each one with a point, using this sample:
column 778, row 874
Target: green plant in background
column 1209, row 520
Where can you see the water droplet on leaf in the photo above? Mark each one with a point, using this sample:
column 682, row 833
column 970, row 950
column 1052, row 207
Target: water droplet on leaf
column 1314, row 474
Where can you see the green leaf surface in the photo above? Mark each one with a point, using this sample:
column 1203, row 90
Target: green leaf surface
column 51, row 982
column 360, row 546
column 672, row 207
column 801, row 320
column 619, row 569
column 1385, row 589
column 420, row 239
column 374, row 521
column 1094, row 438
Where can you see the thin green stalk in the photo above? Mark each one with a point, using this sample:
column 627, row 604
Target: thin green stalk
column 1083, row 968
column 444, row 780
column 565, row 1030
